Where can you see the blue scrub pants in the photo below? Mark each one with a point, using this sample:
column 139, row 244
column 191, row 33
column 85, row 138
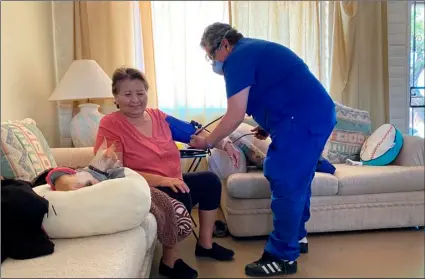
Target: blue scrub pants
column 290, row 167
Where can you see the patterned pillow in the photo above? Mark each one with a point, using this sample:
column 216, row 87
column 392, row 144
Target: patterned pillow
column 351, row 131
column 255, row 150
column 24, row 150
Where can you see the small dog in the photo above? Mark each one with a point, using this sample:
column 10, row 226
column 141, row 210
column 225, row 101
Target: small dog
column 67, row 179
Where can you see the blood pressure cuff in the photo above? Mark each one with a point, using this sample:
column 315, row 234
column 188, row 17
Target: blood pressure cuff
column 325, row 166
column 180, row 130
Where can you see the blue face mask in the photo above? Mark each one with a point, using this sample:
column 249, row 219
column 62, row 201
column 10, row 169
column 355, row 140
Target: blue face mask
column 218, row 67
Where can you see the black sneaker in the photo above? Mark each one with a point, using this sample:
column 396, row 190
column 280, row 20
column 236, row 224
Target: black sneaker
column 269, row 266
column 180, row 270
column 303, row 248
column 217, row 252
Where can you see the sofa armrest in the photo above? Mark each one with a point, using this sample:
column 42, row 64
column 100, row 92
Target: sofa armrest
column 412, row 153
column 73, row 157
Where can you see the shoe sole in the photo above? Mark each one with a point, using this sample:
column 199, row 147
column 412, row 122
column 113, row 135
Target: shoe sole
column 165, row 276
column 263, row 275
column 211, row 258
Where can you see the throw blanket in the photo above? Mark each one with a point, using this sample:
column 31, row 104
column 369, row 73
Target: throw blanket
column 173, row 220
column 22, row 213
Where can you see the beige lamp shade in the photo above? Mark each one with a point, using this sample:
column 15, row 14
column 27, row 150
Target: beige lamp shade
column 84, row 79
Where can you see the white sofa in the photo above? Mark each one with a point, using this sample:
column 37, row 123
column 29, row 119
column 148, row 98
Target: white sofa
column 125, row 254
column 354, row 198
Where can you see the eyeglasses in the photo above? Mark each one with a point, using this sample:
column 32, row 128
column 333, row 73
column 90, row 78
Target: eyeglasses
column 211, row 57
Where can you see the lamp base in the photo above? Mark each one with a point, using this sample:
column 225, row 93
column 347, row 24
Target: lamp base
column 85, row 124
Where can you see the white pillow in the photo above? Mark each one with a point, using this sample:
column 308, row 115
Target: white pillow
column 382, row 147
column 107, row 207
column 220, row 163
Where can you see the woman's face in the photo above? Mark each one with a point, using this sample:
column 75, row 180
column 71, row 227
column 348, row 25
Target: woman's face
column 132, row 97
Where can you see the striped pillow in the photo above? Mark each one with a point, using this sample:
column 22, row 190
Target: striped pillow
column 351, row 131
column 24, row 150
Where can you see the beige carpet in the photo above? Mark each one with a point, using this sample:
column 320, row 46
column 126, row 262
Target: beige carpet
column 385, row 254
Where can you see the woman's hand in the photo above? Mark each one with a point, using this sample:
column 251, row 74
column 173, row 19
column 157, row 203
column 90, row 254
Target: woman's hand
column 260, row 133
column 233, row 153
column 175, row 184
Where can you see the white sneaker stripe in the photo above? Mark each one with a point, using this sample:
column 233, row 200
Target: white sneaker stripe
column 271, row 268
column 276, row 266
column 265, row 269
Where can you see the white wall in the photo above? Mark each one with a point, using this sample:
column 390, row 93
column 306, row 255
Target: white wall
column 27, row 65
column 398, row 13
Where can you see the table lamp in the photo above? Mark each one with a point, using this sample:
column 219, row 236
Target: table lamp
column 84, row 80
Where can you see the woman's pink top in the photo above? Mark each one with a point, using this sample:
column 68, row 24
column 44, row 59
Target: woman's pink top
column 155, row 155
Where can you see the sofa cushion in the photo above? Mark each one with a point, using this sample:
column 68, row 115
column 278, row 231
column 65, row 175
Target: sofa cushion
column 24, row 150
column 118, row 255
column 359, row 180
column 253, row 185
column 353, row 127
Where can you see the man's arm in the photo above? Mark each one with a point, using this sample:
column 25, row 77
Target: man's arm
column 236, row 109
column 219, row 145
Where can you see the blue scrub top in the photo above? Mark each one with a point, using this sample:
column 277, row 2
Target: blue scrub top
column 281, row 85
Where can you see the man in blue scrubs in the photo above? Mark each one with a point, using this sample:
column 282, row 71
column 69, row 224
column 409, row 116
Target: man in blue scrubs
column 271, row 83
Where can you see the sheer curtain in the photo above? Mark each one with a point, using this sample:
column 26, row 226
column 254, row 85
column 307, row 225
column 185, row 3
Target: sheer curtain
column 303, row 26
column 186, row 85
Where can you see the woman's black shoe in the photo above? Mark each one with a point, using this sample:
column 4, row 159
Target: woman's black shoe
column 180, row 270
column 217, row 252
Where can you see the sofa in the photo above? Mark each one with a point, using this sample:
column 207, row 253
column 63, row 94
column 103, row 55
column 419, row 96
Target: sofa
column 126, row 254
column 354, row 198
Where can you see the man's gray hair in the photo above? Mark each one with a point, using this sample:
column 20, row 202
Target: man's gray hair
column 214, row 34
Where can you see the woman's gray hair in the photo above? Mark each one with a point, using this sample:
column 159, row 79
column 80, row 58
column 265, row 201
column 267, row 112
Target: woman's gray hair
column 214, row 34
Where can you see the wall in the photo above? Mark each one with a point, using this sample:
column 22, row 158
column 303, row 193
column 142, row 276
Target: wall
column 27, row 65
column 398, row 64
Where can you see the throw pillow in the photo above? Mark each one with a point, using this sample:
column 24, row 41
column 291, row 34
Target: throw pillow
column 351, row 131
column 255, row 150
column 24, row 150
column 107, row 207
column 382, row 147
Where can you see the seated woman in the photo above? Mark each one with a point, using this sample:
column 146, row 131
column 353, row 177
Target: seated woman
column 145, row 144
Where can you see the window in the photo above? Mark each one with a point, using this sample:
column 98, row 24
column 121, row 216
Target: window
column 186, row 85
column 417, row 72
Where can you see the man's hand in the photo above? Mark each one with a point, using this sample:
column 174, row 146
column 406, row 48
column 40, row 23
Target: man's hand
column 198, row 142
column 233, row 153
column 260, row 133
column 175, row 184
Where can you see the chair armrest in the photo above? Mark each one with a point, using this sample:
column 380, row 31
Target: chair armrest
column 412, row 153
column 73, row 157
